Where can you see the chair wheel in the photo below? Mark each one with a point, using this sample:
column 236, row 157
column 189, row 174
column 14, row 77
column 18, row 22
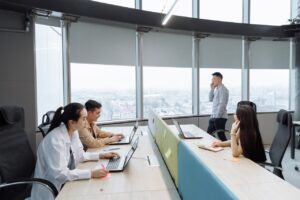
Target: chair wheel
column 297, row 168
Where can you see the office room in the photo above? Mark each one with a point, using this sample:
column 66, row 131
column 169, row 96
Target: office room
column 171, row 77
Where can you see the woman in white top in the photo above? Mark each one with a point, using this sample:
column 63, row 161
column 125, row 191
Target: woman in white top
column 61, row 150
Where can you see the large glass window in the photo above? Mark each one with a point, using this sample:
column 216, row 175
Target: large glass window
column 231, row 79
column 49, row 77
column 269, row 89
column 182, row 8
column 168, row 90
column 220, row 10
column 269, row 74
column 112, row 86
column 269, row 12
column 124, row 3
column 167, row 60
column 223, row 55
column 102, row 68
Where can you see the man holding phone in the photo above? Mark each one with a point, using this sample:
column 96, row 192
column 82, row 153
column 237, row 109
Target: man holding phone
column 219, row 96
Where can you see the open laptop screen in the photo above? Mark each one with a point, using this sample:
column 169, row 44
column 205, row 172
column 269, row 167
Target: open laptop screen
column 131, row 152
column 185, row 134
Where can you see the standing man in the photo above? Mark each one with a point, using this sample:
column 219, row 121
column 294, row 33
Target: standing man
column 219, row 96
column 91, row 136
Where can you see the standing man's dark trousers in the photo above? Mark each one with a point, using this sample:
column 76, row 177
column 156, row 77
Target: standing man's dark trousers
column 216, row 124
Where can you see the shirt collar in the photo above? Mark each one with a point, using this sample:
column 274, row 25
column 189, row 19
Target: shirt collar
column 65, row 133
column 219, row 85
column 90, row 125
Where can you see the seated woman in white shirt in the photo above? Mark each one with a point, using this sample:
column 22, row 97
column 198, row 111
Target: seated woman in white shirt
column 61, row 150
column 245, row 136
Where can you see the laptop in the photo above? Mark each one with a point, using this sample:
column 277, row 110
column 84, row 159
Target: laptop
column 151, row 122
column 119, row 164
column 128, row 139
column 186, row 134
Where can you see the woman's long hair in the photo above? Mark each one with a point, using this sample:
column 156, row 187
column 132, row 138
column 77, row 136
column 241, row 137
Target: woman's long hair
column 64, row 114
column 250, row 137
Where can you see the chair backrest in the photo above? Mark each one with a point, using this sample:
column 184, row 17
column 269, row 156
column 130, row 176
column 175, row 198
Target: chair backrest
column 12, row 115
column 282, row 137
column 17, row 159
column 48, row 117
column 46, row 121
column 249, row 103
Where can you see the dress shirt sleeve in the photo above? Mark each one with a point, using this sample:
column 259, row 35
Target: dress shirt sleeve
column 211, row 95
column 88, row 140
column 91, row 156
column 102, row 134
column 57, row 158
column 223, row 95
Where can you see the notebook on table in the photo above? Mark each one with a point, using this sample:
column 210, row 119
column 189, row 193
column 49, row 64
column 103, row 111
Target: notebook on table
column 208, row 147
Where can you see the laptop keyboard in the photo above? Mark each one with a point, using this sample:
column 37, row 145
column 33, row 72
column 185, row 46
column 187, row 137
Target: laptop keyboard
column 188, row 134
column 124, row 139
column 113, row 163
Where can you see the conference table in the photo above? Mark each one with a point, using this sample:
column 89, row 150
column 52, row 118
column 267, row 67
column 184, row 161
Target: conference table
column 139, row 180
column 242, row 177
column 202, row 174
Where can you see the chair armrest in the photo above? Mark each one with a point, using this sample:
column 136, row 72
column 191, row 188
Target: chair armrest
column 220, row 130
column 267, row 151
column 270, row 165
column 43, row 182
column 226, row 132
column 44, row 129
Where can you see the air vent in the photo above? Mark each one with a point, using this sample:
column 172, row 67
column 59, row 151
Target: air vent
column 281, row 39
column 70, row 18
column 252, row 39
column 41, row 12
column 144, row 29
column 201, row 35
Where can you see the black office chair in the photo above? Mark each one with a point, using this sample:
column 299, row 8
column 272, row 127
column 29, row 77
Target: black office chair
column 46, row 122
column 227, row 132
column 17, row 160
column 280, row 142
column 220, row 131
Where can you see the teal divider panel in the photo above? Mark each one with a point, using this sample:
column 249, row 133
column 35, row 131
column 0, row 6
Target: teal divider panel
column 196, row 181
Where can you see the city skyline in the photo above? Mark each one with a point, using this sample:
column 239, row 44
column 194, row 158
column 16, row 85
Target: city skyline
column 119, row 105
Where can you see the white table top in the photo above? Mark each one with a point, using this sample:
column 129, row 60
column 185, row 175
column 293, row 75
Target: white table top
column 137, row 181
column 245, row 178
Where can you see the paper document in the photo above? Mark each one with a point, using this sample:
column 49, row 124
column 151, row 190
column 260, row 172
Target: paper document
column 208, row 147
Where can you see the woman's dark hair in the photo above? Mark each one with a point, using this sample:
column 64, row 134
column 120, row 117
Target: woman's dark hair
column 250, row 137
column 64, row 114
column 91, row 105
